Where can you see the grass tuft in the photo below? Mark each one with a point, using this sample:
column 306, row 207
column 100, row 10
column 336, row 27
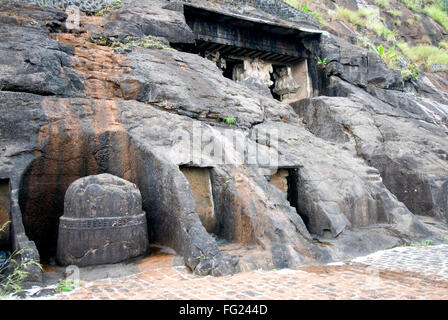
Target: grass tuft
column 395, row 13
column 414, row 5
column 350, row 16
column 428, row 57
column 437, row 14
column 383, row 4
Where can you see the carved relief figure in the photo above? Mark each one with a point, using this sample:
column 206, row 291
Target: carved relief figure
column 253, row 68
column 216, row 57
column 284, row 83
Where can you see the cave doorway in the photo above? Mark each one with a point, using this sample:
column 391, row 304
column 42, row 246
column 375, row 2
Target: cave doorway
column 230, row 66
column 225, row 38
column 5, row 214
column 201, row 187
column 287, row 180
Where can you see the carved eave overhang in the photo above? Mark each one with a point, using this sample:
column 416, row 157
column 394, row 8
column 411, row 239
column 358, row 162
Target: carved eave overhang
column 234, row 33
column 277, row 25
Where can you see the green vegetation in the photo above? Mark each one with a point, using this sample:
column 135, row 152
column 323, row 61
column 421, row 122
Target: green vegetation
column 350, row 16
column 436, row 9
column 102, row 41
column 316, row 15
column 438, row 14
column 146, row 42
column 65, row 285
column 395, row 13
column 13, row 271
column 102, row 11
column 293, row 3
column 383, row 31
column 121, row 47
column 426, row 56
column 445, row 239
column 323, row 62
column 388, row 56
column 382, row 3
column 412, row 73
column 366, row 14
column 414, row 5
column 305, row 9
column 366, row 19
column 230, row 120
column 424, row 243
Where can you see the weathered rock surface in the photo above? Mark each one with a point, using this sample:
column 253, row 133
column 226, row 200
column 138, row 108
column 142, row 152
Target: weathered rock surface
column 406, row 142
column 103, row 222
column 193, row 86
column 358, row 65
column 268, row 11
column 29, row 60
column 154, row 18
column 88, row 6
column 141, row 115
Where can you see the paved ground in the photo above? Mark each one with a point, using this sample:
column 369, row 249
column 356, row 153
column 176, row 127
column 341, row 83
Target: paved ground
column 400, row 273
column 430, row 261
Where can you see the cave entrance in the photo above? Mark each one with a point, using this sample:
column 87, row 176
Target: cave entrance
column 267, row 56
column 201, row 186
column 5, row 214
column 286, row 179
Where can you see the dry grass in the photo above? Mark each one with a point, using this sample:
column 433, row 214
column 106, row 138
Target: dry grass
column 427, row 57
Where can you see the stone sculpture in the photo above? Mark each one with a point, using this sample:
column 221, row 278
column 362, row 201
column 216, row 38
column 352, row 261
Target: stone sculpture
column 103, row 222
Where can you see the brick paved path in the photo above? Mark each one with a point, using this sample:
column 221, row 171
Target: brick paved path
column 430, row 261
column 383, row 275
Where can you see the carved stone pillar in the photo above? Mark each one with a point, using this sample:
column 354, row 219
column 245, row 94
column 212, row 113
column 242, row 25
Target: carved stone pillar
column 254, row 68
column 285, row 86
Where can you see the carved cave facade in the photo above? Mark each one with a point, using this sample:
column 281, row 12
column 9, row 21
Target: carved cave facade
column 274, row 60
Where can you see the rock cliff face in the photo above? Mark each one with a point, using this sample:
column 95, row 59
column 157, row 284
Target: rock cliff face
column 366, row 153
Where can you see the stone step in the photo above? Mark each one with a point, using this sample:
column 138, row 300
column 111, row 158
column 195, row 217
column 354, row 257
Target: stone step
column 374, row 178
column 372, row 171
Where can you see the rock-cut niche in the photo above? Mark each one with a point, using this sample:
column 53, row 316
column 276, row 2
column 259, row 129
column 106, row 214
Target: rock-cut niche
column 66, row 159
column 201, row 187
column 287, row 180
